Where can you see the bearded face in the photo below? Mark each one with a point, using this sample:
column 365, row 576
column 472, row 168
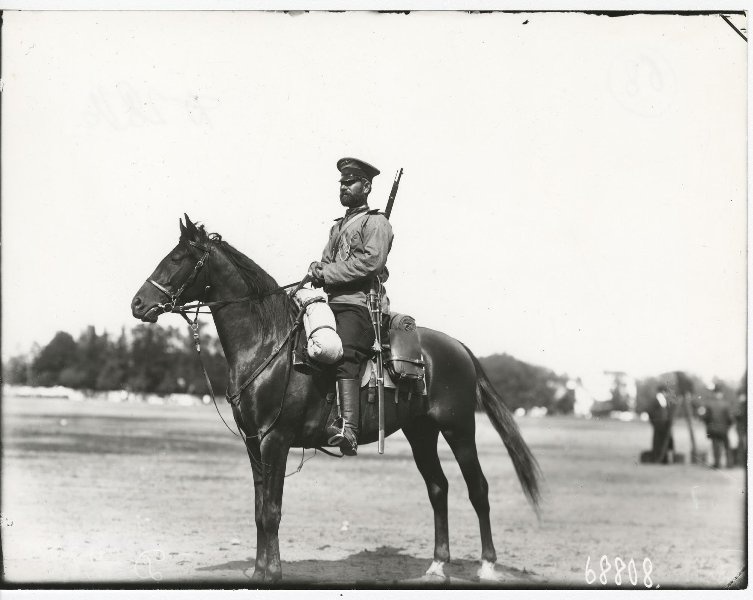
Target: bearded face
column 354, row 192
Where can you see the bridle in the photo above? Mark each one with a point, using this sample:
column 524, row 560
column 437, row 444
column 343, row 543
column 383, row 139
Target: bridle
column 172, row 305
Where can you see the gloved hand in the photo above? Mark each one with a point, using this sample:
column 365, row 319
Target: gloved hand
column 316, row 272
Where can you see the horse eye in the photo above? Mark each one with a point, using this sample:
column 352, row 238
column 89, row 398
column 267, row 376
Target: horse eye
column 176, row 256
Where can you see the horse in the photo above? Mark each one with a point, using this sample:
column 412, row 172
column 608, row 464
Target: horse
column 279, row 407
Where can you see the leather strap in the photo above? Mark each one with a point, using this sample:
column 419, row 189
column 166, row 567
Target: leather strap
column 235, row 398
column 321, row 327
column 346, row 227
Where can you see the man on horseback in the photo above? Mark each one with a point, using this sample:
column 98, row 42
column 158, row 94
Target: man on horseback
column 354, row 257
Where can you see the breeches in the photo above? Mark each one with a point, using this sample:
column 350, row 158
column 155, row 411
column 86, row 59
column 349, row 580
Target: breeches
column 719, row 445
column 357, row 334
column 661, row 432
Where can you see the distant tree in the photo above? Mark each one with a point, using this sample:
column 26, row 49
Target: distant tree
column 114, row 371
column 17, row 371
column 519, row 383
column 645, row 393
column 679, row 383
column 619, row 400
column 566, row 404
column 190, row 372
column 152, row 359
column 53, row 359
column 148, row 359
column 91, row 356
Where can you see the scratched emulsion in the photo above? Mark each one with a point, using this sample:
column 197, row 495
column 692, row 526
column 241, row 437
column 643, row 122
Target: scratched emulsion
column 96, row 492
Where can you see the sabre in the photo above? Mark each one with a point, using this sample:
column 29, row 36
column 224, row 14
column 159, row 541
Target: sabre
column 375, row 309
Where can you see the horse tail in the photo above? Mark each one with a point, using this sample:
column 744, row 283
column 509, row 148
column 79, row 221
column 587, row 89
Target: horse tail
column 526, row 466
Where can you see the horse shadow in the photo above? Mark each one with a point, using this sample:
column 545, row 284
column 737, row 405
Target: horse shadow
column 384, row 567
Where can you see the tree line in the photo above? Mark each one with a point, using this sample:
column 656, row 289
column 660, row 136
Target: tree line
column 146, row 359
column 153, row 359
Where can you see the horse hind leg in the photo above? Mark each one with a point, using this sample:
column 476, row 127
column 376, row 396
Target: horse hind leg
column 463, row 446
column 422, row 436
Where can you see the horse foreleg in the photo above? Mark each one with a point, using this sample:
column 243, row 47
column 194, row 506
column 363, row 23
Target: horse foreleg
column 423, row 441
column 254, row 455
column 274, row 454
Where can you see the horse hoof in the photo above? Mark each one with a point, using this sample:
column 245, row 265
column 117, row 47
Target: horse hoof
column 435, row 572
column 258, row 575
column 273, row 577
column 487, row 573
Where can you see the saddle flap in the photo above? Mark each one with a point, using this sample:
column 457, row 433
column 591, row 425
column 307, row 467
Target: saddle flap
column 404, row 359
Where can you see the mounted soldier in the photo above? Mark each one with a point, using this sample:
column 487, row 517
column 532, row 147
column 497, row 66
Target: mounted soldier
column 277, row 407
column 354, row 260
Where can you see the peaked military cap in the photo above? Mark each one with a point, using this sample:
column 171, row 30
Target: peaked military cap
column 353, row 168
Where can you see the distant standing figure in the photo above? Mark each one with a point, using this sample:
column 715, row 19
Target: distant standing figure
column 719, row 419
column 741, row 425
column 660, row 415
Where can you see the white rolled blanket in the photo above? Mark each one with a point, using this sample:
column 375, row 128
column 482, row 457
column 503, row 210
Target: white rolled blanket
column 324, row 345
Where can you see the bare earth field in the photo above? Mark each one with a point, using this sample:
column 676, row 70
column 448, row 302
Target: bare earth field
column 133, row 494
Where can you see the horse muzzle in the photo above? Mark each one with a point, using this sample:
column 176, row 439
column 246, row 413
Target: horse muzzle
column 145, row 312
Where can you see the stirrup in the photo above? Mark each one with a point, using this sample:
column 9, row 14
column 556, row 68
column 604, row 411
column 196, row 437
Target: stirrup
column 336, row 439
column 346, row 446
column 335, row 430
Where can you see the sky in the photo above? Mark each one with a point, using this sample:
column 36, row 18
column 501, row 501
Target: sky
column 574, row 188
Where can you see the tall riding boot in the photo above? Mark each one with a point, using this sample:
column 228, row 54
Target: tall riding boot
column 350, row 402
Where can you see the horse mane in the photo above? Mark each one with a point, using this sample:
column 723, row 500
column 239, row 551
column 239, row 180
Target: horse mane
column 258, row 281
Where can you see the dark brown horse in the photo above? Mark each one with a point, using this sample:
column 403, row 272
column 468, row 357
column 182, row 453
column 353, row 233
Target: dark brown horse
column 282, row 407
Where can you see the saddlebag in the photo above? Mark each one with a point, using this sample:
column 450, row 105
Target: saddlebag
column 404, row 360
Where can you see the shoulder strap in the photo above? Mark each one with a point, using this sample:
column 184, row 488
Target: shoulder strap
column 355, row 219
column 348, row 225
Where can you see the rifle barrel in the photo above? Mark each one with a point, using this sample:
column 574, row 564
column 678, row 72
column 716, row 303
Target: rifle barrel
column 393, row 193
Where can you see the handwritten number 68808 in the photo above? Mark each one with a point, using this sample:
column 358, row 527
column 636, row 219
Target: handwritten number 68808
column 605, row 566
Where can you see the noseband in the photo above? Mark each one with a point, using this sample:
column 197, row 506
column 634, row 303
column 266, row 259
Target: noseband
column 175, row 297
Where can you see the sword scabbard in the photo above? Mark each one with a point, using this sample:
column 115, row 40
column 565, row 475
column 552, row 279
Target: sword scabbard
column 375, row 310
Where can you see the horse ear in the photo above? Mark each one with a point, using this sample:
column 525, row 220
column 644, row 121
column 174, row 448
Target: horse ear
column 183, row 230
column 190, row 226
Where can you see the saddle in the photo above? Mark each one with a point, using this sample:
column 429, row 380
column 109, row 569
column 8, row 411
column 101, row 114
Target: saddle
column 404, row 381
column 401, row 354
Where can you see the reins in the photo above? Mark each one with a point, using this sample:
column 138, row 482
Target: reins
column 194, row 326
column 173, row 306
column 234, row 399
column 221, row 303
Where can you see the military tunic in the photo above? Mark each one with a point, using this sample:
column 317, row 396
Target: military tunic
column 355, row 254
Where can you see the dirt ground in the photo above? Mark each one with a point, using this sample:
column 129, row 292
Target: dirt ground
column 133, row 494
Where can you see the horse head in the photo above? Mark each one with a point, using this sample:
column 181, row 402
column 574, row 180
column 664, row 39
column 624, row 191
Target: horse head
column 180, row 276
